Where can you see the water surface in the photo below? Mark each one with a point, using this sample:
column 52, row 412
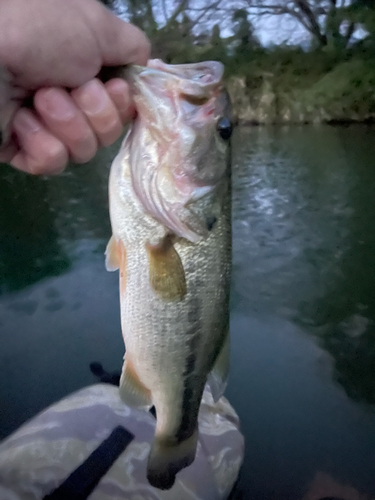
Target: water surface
column 303, row 300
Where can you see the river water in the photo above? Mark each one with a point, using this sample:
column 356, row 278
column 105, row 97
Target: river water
column 302, row 312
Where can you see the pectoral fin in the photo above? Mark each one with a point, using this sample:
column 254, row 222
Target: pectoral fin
column 167, row 275
column 112, row 255
column 132, row 391
column 217, row 379
column 115, row 258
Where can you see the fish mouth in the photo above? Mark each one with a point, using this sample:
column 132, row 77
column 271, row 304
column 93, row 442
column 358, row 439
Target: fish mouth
column 134, row 71
column 195, row 80
column 168, row 98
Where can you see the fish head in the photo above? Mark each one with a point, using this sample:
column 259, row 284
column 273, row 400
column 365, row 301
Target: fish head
column 180, row 140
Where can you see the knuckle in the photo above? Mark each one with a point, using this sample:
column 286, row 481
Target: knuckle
column 83, row 157
column 110, row 138
column 109, row 125
column 82, row 139
column 84, row 148
column 52, row 160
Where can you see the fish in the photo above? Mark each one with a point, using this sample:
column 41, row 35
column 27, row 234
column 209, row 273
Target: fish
column 170, row 213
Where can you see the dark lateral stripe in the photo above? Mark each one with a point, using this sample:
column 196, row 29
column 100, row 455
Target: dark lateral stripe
column 82, row 482
column 188, row 410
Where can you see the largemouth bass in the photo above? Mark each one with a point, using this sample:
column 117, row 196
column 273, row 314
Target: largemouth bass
column 170, row 210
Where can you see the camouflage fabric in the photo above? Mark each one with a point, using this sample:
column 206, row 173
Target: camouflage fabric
column 40, row 455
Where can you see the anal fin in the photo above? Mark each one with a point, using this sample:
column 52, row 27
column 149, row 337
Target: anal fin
column 167, row 275
column 132, row 391
column 217, row 379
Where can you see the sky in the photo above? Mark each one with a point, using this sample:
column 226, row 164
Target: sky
column 270, row 30
column 279, row 29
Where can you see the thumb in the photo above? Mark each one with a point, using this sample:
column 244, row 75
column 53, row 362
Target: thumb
column 120, row 43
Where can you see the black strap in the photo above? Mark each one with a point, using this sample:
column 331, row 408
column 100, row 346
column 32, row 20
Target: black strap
column 81, row 482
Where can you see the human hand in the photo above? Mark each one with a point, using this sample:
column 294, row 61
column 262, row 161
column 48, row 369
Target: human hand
column 49, row 48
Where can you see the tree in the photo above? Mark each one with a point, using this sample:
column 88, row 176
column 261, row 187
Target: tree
column 362, row 12
column 173, row 26
column 244, row 38
column 142, row 15
column 323, row 19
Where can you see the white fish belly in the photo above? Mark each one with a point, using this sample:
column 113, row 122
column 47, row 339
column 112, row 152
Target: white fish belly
column 173, row 345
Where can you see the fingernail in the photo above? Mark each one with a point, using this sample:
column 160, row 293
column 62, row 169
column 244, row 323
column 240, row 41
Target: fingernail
column 58, row 105
column 24, row 122
column 92, row 97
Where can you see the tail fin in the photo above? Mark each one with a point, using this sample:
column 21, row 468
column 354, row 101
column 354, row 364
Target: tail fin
column 167, row 459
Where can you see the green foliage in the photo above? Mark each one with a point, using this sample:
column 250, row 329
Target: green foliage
column 354, row 363
column 217, row 49
column 289, row 67
column 363, row 13
column 142, row 15
column 346, row 91
column 334, row 80
column 244, row 40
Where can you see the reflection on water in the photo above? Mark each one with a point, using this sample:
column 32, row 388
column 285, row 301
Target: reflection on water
column 304, row 244
column 43, row 221
column 303, row 300
column 58, row 306
column 292, row 211
column 29, row 245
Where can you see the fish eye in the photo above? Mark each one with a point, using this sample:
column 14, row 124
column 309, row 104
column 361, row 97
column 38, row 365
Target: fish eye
column 225, row 128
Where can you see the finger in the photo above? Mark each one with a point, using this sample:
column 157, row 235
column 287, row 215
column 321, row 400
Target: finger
column 8, row 152
column 66, row 121
column 118, row 91
column 120, row 42
column 41, row 152
column 101, row 113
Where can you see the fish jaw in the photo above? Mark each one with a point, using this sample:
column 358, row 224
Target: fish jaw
column 196, row 80
column 176, row 157
column 167, row 199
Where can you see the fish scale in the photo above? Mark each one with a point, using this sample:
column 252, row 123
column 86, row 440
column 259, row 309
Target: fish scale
column 174, row 292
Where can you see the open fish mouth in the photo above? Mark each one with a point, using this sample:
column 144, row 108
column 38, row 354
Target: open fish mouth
column 196, row 79
column 177, row 113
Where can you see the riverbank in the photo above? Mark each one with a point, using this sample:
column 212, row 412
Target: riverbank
column 312, row 88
